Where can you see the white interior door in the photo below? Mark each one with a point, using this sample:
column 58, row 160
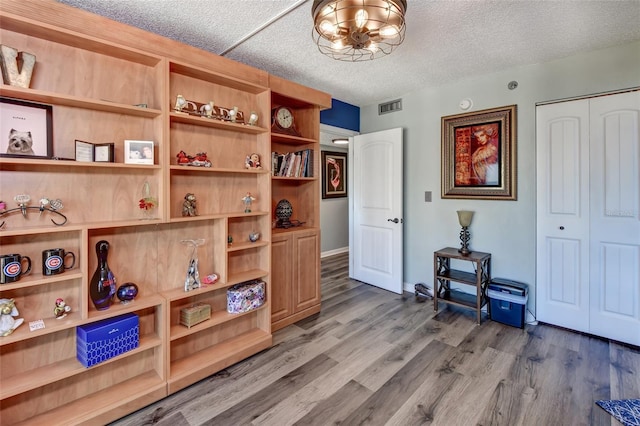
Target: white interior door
column 615, row 217
column 562, row 288
column 376, row 197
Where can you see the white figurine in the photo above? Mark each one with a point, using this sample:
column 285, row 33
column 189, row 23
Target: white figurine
column 8, row 311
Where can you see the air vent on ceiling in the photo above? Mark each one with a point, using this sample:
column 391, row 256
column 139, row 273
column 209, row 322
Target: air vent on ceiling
column 388, row 107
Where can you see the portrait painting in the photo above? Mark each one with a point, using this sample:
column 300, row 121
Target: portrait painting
column 26, row 129
column 479, row 154
column 334, row 174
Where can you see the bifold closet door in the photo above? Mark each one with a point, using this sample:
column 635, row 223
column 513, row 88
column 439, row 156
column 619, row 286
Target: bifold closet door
column 588, row 215
column 615, row 218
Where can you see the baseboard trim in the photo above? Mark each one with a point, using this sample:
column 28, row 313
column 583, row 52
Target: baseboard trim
column 334, row 252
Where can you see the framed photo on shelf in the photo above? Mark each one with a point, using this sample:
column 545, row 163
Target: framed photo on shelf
column 138, row 152
column 26, row 129
column 479, row 154
column 334, row 174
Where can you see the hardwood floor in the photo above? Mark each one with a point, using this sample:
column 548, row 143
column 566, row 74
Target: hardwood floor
column 376, row 358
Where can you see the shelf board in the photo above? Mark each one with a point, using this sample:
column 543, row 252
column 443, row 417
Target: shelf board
column 77, row 102
column 16, row 164
column 290, row 139
column 241, row 277
column 102, row 402
column 179, row 331
column 218, row 216
column 458, row 276
column 177, row 117
column 44, row 31
column 36, row 279
column 36, row 230
column 214, row 358
column 64, row 369
column 191, row 169
column 293, row 230
column 179, row 293
column 214, row 77
column 246, row 245
column 118, row 308
column 462, row 299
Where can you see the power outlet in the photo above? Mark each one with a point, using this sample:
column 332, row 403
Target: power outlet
column 427, row 196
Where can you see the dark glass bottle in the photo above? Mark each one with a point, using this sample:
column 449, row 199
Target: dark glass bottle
column 103, row 283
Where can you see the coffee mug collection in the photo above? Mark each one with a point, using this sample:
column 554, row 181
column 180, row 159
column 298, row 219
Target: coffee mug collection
column 54, row 261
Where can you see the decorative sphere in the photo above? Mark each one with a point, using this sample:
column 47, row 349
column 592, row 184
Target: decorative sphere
column 284, row 210
column 127, row 292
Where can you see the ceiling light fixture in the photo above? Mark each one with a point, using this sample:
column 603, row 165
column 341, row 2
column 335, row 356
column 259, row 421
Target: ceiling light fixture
column 341, row 141
column 358, row 30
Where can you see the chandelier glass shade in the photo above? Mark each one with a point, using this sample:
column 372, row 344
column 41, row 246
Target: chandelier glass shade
column 358, row 30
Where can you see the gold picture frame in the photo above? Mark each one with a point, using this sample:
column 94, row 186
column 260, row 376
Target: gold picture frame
column 479, row 154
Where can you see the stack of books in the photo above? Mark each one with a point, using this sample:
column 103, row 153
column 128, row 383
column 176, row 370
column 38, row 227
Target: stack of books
column 292, row 164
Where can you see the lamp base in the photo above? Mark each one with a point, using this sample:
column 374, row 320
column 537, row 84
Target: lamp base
column 465, row 236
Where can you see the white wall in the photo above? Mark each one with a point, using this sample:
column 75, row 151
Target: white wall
column 334, row 212
column 506, row 229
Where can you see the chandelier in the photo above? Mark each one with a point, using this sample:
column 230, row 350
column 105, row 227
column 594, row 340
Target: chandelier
column 358, row 30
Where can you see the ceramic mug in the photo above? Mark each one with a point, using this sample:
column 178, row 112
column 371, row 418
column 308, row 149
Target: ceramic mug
column 53, row 261
column 12, row 267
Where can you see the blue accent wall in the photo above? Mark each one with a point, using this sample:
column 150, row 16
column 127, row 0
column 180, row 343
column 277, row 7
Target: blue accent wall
column 341, row 114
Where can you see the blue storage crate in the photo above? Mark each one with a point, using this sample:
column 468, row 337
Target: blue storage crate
column 507, row 301
column 101, row 340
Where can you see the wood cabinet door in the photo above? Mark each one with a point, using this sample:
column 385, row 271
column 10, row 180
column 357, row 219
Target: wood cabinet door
column 281, row 275
column 306, row 278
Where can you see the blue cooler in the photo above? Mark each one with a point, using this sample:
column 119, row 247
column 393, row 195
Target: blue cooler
column 508, row 301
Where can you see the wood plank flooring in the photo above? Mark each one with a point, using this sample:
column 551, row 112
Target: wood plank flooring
column 371, row 357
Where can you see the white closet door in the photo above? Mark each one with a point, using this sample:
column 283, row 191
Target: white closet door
column 562, row 288
column 615, row 217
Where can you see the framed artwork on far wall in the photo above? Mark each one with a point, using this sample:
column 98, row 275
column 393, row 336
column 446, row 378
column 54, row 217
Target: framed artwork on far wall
column 334, row 174
column 479, row 154
column 26, row 129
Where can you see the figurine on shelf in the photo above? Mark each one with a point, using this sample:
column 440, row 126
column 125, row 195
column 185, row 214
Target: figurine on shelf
column 8, row 311
column 199, row 160
column 247, row 200
column 189, row 205
column 253, row 161
column 192, row 281
column 61, row 309
column 254, row 236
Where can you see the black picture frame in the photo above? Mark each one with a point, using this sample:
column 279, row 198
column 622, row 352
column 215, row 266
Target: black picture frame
column 334, row 174
column 23, row 122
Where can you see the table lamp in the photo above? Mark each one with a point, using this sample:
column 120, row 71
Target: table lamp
column 464, row 217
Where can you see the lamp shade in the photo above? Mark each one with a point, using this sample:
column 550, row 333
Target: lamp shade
column 464, row 217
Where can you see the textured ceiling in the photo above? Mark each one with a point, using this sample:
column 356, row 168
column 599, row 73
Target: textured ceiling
column 446, row 41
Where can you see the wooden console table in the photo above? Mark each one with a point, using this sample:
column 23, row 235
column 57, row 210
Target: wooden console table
column 443, row 275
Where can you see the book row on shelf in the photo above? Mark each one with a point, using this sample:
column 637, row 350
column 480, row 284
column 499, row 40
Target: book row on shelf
column 293, row 164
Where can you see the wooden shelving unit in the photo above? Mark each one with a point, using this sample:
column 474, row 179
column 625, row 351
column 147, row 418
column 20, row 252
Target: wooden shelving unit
column 93, row 77
column 295, row 264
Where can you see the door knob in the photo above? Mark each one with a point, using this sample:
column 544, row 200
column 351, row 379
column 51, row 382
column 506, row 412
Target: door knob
column 394, row 220
column 561, row 228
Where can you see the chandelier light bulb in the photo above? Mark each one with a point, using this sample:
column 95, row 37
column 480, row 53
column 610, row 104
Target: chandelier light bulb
column 361, row 18
column 338, row 44
column 389, row 31
column 328, row 29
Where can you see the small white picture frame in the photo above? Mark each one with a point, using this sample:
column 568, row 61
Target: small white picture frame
column 138, row 152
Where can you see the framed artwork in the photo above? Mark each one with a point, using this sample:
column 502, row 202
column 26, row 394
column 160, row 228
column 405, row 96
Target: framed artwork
column 479, row 154
column 138, row 152
column 334, row 174
column 26, row 129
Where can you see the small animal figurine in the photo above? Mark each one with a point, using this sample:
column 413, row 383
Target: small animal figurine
column 61, row 309
column 8, row 311
column 252, row 161
column 189, row 205
column 254, row 236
